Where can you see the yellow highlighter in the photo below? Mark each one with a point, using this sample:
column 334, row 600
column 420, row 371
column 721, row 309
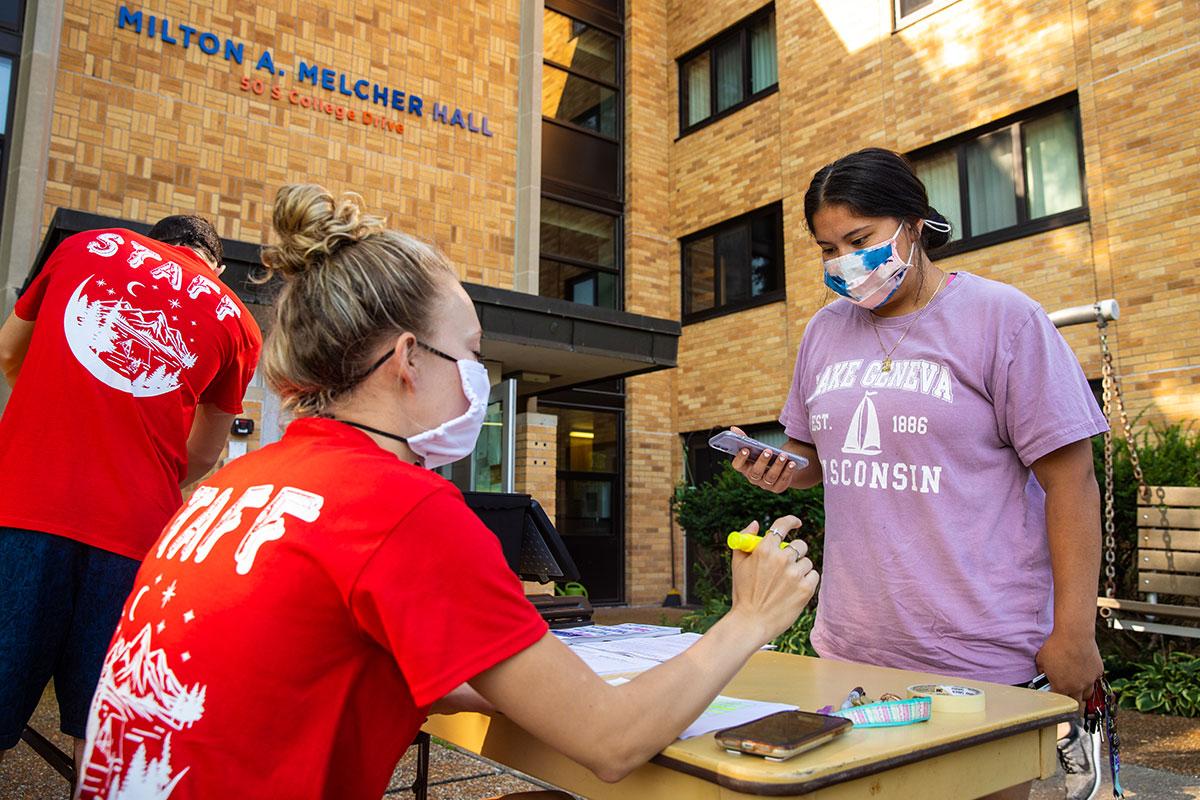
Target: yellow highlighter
column 746, row 542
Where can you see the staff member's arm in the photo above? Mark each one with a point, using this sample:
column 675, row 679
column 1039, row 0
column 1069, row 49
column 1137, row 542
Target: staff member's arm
column 550, row 692
column 784, row 473
column 210, row 430
column 15, row 336
column 1069, row 656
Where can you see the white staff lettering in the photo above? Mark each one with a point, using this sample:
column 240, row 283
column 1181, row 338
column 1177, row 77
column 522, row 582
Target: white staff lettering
column 140, row 254
column 201, row 285
column 270, row 524
column 231, row 520
column 227, row 308
column 171, row 272
column 193, row 534
column 105, row 245
column 187, row 540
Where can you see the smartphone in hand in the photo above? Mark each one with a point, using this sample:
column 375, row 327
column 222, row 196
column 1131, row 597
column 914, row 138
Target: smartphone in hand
column 732, row 443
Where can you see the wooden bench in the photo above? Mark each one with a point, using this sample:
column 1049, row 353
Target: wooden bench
column 1168, row 561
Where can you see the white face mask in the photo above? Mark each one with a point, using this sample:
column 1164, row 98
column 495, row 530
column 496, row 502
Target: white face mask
column 455, row 438
column 869, row 277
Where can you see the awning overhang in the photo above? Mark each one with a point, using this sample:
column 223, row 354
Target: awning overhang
column 544, row 343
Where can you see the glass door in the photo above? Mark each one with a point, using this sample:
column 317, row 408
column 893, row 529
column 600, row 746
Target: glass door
column 590, row 498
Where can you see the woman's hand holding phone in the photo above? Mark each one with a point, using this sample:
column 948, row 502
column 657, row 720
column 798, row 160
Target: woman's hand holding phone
column 767, row 471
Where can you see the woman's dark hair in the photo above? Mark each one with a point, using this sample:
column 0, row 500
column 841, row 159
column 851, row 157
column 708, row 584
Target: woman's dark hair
column 875, row 183
column 188, row 230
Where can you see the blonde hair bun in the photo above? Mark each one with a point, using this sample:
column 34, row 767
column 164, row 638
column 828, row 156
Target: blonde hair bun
column 311, row 225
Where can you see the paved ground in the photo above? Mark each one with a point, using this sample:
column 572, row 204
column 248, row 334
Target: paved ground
column 1156, row 741
column 452, row 775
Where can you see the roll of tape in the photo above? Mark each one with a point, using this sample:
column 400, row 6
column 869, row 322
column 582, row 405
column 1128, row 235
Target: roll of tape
column 952, row 699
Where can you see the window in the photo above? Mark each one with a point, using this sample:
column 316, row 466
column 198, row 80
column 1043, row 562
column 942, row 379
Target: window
column 579, row 75
column 1019, row 176
column 734, row 265
column 728, row 72
column 590, row 496
column 579, row 254
column 906, row 12
column 582, row 173
column 905, row 8
column 12, row 18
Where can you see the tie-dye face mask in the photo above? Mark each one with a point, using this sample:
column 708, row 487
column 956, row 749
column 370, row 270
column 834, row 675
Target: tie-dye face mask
column 869, row 277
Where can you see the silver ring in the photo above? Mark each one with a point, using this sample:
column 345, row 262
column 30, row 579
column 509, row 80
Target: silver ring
column 799, row 555
column 777, row 533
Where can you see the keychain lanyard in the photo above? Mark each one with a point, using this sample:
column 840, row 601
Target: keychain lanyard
column 1100, row 715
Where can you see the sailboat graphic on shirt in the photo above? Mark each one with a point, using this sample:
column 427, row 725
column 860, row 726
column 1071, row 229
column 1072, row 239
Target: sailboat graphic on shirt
column 863, row 437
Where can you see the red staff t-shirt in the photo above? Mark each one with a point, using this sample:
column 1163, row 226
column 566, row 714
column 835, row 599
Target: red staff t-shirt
column 130, row 335
column 288, row 632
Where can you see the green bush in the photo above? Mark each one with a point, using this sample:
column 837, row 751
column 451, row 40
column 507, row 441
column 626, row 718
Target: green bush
column 1167, row 684
column 794, row 640
column 727, row 503
column 1170, row 456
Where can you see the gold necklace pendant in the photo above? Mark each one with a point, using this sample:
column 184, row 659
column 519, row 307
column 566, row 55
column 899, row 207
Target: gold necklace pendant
column 886, row 366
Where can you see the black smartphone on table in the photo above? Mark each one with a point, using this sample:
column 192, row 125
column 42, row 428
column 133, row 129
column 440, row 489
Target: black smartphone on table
column 783, row 734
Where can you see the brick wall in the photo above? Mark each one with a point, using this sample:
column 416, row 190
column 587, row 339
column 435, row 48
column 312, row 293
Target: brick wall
column 847, row 81
column 651, row 287
column 535, row 470
column 143, row 128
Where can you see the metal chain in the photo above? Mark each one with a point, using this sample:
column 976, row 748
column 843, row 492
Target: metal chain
column 1112, row 388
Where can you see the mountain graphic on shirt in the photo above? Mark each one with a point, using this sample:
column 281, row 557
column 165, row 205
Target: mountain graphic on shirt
column 138, row 682
column 128, row 348
column 138, row 701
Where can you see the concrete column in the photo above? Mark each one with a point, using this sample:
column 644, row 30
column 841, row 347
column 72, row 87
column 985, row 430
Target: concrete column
column 529, row 149
column 29, row 156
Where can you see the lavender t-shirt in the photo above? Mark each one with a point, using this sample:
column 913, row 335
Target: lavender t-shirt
column 936, row 557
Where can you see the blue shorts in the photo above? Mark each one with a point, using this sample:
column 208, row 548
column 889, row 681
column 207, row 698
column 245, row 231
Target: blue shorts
column 60, row 601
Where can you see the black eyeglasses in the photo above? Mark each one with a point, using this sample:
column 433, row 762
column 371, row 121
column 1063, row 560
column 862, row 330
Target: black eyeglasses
column 383, row 359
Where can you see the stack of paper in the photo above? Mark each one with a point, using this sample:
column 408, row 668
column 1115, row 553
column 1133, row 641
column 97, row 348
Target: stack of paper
column 603, row 663
column 725, row 712
column 609, row 633
column 657, row 648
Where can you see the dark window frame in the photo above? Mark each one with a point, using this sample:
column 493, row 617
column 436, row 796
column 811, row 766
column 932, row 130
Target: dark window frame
column 900, row 21
column 747, row 219
column 618, row 269
column 11, row 40
column 1025, row 226
column 608, row 17
column 19, row 29
column 739, row 30
column 618, row 86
